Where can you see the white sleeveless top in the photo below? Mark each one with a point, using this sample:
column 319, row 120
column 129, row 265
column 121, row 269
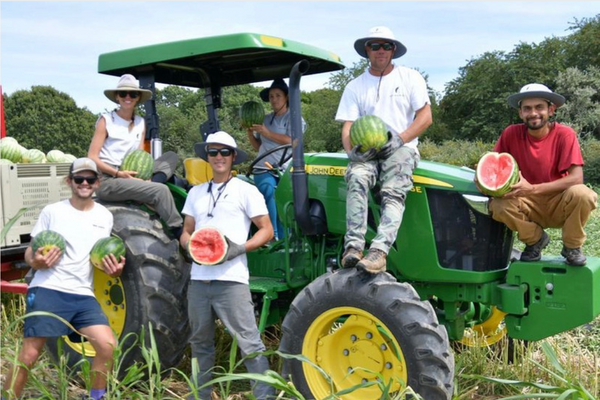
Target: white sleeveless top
column 120, row 139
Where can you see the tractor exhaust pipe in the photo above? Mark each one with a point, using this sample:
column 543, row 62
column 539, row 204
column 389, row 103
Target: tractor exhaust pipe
column 302, row 207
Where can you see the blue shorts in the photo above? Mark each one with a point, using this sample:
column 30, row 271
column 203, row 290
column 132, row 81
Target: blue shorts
column 80, row 311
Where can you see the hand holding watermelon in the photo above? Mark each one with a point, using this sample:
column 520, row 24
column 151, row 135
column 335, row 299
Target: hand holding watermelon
column 356, row 156
column 394, row 143
column 233, row 249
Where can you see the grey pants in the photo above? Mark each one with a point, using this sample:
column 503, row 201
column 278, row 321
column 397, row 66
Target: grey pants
column 231, row 302
column 395, row 176
column 155, row 195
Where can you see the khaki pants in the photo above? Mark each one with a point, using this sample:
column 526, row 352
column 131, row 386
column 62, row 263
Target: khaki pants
column 528, row 216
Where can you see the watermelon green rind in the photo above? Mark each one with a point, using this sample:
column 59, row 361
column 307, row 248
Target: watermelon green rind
column 105, row 246
column 10, row 149
column 55, row 156
column 368, row 131
column 140, row 161
column 48, row 239
column 251, row 113
column 207, row 246
column 496, row 173
column 34, row 156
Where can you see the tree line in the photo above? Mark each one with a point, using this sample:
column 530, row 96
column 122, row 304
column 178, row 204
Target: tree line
column 472, row 108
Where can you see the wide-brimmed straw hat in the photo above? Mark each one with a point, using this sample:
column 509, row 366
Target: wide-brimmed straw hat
column 383, row 33
column 226, row 140
column 538, row 91
column 130, row 84
column 277, row 84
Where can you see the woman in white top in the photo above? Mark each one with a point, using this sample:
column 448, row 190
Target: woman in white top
column 119, row 132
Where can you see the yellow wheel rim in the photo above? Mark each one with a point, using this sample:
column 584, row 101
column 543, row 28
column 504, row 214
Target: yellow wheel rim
column 111, row 297
column 353, row 348
column 487, row 332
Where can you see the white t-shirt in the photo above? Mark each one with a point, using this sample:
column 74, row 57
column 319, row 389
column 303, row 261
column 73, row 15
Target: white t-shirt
column 232, row 206
column 81, row 230
column 120, row 139
column 395, row 100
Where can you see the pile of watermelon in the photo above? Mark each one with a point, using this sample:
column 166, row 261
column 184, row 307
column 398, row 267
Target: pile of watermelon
column 11, row 152
column 496, row 173
column 368, row 131
column 251, row 113
column 139, row 161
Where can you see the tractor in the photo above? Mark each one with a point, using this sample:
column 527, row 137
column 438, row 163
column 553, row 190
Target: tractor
column 451, row 274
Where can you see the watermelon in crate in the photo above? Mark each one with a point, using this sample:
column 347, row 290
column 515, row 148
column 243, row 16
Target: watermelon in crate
column 139, row 161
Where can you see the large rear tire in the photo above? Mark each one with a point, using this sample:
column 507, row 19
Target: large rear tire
column 151, row 291
column 360, row 328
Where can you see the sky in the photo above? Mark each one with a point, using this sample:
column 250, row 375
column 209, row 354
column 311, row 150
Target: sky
column 58, row 43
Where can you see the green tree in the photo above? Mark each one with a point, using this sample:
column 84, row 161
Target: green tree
column 44, row 118
column 323, row 132
column 339, row 80
column 582, row 109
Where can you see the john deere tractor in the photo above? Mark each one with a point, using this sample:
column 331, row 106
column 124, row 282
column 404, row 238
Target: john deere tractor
column 450, row 275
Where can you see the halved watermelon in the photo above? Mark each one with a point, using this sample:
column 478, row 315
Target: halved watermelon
column 496, row 173
column 207, row 246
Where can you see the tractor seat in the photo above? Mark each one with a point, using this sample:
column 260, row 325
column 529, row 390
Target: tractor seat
column 197, row 171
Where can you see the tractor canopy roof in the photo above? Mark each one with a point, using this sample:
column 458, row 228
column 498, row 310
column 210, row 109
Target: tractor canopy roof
column 225, row 60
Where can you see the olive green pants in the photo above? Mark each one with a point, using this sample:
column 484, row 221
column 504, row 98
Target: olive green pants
column 528, row 216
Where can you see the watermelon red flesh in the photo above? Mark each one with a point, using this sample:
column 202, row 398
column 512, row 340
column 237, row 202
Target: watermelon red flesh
column 105, row 246
column 47, row 240
column 207, row 246
column 140, row 161
column 368, row 131
column 251, row 113
column 496, row 173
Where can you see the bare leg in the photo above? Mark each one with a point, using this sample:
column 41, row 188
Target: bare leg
column 103, row 340
column 17, row 375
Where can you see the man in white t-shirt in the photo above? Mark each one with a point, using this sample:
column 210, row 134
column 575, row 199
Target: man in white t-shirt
column 63, row 281
column 222, row 291
column 398, row 95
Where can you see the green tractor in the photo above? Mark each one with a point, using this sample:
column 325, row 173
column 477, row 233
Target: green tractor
column 451, row 274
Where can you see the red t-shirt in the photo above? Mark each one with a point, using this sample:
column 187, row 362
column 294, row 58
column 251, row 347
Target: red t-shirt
column 541, row 160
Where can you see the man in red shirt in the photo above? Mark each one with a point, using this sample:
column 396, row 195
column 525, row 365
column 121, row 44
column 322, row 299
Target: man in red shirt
column 550, row 193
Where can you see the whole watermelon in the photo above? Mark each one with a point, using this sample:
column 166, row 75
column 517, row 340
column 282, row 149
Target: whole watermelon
column 34, row 156
column 496, row 173
column 47, row 240
column 10, row 149
column 105, row 246
column 368, row 131
column 68, row 158
column 207, row 246
column 251, row 113
column 140, row 161
column 55, row 156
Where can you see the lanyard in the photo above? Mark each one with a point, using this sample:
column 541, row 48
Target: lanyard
column 221, row 189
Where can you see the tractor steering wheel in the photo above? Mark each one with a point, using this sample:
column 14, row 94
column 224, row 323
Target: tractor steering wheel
column 284, row 158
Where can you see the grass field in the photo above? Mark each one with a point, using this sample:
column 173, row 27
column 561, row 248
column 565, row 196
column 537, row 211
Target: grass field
column 565, row 366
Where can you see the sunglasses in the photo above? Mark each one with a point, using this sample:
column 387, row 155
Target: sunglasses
column 89, row 179
column 224, row 152
column 386, row 46
column 122, row 94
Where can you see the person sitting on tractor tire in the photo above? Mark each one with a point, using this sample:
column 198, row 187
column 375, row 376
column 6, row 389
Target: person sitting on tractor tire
column 550, row 192
column 398, row 95
column 275, row 131
column 120, row 132
column 63, row 282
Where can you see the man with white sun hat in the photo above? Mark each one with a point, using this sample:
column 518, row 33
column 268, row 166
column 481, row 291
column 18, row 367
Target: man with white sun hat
column 550, row 193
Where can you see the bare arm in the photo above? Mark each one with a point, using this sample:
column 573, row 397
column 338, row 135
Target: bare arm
column 100, row 135
column 189, row 224
column 422, row 121
column 38, row 260
column 346, row 136
column 263, row 235
column 524, row 188
column 252, row 139
column 279, row 138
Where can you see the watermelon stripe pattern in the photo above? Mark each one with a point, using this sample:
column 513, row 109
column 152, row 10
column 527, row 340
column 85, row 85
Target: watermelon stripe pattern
column 368, row 131
column 496, row 173
column 251, row 113
column 10, row 149
column 140, row 161
column 110, row 245
column 47, row 240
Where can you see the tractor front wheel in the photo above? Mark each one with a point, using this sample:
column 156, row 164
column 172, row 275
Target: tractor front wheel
column 364, row 334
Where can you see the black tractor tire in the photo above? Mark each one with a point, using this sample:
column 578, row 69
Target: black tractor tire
column 361, row 328
column 152, row 291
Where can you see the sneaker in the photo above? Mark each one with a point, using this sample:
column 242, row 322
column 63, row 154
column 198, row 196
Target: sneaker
column 374, row 262
column 574, row 257
column 534, row 252
column 351, row 257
